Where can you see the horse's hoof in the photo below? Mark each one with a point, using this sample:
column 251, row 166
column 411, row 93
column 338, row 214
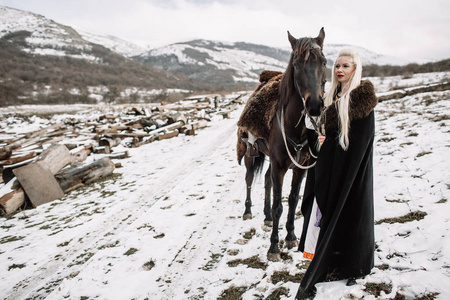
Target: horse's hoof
column 247, row 217
column 273, row 256
column 268, row 223
column 266, row 228
column 291, row 244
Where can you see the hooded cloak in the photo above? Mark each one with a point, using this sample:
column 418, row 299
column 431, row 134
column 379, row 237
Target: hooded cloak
column 342, row 183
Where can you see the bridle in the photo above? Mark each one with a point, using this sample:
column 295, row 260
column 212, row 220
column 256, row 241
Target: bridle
column 286, row 139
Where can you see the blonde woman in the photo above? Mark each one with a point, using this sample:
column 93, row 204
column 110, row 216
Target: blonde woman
column 338, row 231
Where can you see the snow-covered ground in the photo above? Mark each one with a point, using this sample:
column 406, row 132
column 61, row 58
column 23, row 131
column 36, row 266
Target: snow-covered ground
column 168, row 224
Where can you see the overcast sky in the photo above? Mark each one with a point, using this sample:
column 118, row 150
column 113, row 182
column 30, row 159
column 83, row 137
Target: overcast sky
column 416, row 29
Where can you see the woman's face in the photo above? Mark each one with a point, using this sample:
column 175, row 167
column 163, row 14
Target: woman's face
column 344, row 69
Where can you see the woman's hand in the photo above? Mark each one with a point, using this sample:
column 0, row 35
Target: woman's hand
column 321, row 139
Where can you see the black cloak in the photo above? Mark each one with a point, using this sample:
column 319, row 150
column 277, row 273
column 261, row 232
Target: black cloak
column 342, row 182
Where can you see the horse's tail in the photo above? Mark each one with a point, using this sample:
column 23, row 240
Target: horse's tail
column 258, row 163
column 241, row 146
column 241, row 151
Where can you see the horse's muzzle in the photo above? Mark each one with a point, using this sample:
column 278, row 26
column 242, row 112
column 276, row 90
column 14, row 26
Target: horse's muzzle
column 314, row 106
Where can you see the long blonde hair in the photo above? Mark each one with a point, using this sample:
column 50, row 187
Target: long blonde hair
column 342, row 104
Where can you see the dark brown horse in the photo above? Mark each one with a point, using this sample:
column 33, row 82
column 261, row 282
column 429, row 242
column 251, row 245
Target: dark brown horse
column 283, row 100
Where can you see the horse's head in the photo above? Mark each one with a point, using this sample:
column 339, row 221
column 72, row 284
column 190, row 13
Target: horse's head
column 307, row 70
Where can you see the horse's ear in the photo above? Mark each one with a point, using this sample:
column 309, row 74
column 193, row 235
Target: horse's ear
column 292, row 40
column 320, row 38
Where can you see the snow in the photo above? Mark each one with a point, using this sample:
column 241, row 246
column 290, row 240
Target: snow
column 166, row 224
column 45, row 33
column 117, row 45
column 222, row 57
column 50, row 38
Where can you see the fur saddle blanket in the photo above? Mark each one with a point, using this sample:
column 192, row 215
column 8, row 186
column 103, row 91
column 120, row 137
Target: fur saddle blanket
column 262, row 105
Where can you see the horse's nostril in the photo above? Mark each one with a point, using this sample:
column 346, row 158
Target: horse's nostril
column 314, row 106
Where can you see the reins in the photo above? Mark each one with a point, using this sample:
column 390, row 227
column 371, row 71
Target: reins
column 297, row 147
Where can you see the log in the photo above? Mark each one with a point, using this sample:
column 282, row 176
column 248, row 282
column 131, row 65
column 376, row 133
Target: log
column 110, row 142
column 102, row 149
column 13, row 197
column 79, row 154
column 118, row 155
column 38, row 183
column 7, row 172
column 172, row 126
column 176, row 118
column 12, row 201
column 18, row 158
column 190, row 131
column 53, row 158
column 5, row 152
column 167, row 135
column 74, row 177
column 29, row 139
column 133, row 135
column 226, row 114
column 199, row 124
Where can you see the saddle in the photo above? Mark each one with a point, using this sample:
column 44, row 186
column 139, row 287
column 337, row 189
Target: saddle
column 261, row 107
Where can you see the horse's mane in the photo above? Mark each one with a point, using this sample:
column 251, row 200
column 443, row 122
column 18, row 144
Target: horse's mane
column 287, row 87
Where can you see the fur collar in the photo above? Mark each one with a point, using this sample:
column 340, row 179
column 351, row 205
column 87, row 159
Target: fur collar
column 362, row 101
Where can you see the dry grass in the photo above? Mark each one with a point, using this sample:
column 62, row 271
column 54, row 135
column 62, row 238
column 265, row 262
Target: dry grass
column 376, row 288
column 412, row 216
column 233, row 293
column 252, row 262
column 284, row 276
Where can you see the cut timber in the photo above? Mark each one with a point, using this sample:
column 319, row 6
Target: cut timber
column 226, row 114
column 17, row 158
column 110, row 142
column 167, row 135
column 12, row 197
column 199, row 124
column 74, row 177
column 190, row 131
column 102, row 149
column 30, row 139
column 7, row 172
column 39, row 183
column 5, row 152
column 79, row 154
column 177, row 117
column 53, row 159
column 119, row 155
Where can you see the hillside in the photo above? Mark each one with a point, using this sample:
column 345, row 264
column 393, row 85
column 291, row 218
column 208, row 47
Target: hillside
column 231, row 63
column 220, row 63
column 42, row 61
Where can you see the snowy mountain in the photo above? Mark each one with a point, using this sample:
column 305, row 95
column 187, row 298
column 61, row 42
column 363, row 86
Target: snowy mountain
column 219, row 62
column 368, row 57
column 239, row 62
column 113, row 43
column 43, row 36
column 47, row 37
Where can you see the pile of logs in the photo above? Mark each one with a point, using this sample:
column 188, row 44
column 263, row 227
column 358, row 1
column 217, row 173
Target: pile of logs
column 41, row 166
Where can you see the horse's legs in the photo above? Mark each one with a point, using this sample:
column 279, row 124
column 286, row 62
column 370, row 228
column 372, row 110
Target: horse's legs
column 249, row 175
column 277, row 210
column 268, row 188
column 297, row 177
